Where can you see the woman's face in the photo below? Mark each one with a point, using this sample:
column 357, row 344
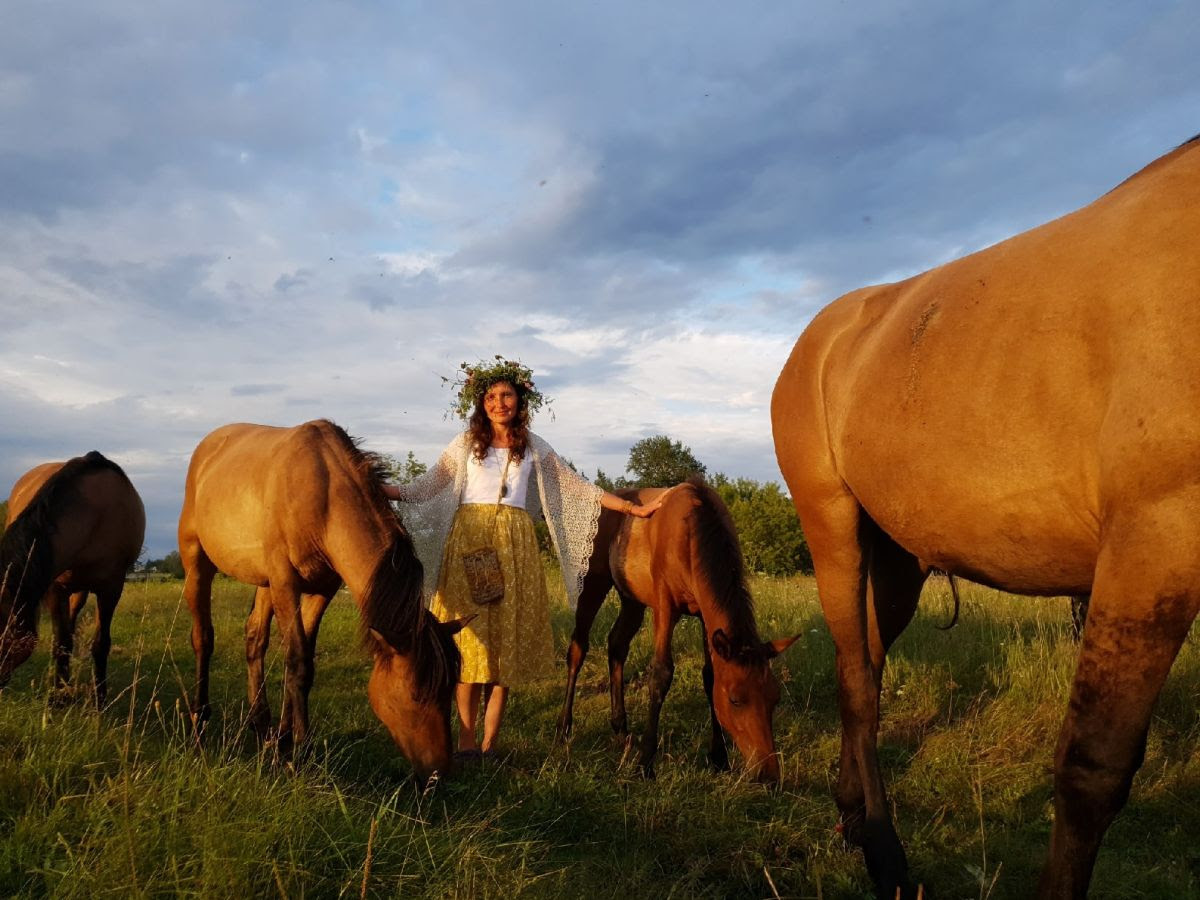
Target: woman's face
column 500, row 403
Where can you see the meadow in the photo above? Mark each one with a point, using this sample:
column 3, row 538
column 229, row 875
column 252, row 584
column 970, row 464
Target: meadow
column 121, row 803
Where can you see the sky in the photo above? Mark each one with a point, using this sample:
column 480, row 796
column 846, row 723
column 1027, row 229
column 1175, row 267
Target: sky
column 272, row 213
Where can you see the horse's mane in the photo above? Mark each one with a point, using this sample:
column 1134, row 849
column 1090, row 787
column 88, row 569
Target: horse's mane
column 394, row 605
column 26, row 551
column 371, row 466
column 718, row 557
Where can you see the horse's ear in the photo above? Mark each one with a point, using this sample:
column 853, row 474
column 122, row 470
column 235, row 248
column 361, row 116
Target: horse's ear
column 773, row 648
column 454, row 626
column 720, row 643
column 382, row 638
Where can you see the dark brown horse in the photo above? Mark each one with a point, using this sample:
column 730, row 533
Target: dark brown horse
column 683, row 560
column 74, row 528
column 1027, row 417
column 297, row 512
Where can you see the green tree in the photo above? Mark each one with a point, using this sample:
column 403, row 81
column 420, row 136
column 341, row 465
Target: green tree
column 605, row 483
column 172, row 564
column 403, row 472
column 767, row 527
column 659, row 462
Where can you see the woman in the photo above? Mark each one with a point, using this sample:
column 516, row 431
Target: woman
column 479, row 494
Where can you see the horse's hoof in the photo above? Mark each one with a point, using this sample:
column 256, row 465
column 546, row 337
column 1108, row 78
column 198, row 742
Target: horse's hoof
column 719, row 763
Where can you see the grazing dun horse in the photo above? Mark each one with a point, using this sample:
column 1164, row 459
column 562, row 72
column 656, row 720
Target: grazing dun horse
column 683, row 560
column 1027, row 417
column 297, row 512
column 75, row 528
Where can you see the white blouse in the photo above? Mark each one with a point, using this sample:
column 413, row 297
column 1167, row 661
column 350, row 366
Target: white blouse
column 483, row 478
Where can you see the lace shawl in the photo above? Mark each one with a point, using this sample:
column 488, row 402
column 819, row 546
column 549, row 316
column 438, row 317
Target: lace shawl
column 570, row 504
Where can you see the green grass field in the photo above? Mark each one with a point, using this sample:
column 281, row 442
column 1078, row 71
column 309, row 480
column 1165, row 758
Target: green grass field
column 121, row 804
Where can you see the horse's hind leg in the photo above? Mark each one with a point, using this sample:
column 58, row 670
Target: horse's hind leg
column 197, row 590
column 841, row 539
column 629, row 620
column 258, row 638
column 718, row 753
column 1147, row 593
column 106, row 604
column 893, row 590
column 57, row 605
column 1079, row 611
column 590, row 601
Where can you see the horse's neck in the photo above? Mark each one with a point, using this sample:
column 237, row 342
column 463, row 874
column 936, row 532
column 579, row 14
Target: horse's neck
column 712, row 614
column 727, row 613
column 354, row 544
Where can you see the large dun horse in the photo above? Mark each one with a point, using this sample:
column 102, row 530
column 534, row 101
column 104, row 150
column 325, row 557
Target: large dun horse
column 684, row 560
column 1027, row 417
column 297, row 512
column 75, row 528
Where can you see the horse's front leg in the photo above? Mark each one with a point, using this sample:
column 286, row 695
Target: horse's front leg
column 1146, row 596
column 629, row 620
column 718, row 753
column 590, row 601
column 297, row 664
column 662, row 671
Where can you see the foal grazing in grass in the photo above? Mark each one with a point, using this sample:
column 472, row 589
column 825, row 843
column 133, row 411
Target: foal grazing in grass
column 297, row 512
column 74, row 528
column 684, row 560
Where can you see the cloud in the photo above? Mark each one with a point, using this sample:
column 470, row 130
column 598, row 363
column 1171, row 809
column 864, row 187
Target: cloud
column 211, row 215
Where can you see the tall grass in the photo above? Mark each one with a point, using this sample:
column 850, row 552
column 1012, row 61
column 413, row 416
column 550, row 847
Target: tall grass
column 122, row 803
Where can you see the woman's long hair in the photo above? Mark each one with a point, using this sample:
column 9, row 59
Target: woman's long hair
column 479, row 426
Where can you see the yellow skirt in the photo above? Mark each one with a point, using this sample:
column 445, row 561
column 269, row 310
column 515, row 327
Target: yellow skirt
column 509, row 642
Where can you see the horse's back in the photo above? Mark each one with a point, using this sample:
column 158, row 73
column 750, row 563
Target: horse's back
column 255, row 493
column 653, row 556
column 97, row 536
column 988, row 412
column 27, row 486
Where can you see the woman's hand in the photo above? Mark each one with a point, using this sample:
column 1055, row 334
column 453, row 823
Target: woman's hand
column 629, row 508
column 646, row 510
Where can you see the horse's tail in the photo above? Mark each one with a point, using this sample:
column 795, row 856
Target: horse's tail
column 957, row 603
column 27, row 548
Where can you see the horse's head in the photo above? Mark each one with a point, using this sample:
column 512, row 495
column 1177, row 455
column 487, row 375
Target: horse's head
column 410, row 690
column 16, row 646
column 18, row 631
column 745, row 693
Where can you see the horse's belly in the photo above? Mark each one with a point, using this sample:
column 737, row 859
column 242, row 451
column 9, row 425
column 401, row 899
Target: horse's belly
column 1029, row 548
column 239, row 555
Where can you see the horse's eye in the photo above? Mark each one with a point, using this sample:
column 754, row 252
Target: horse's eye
column 736, row 700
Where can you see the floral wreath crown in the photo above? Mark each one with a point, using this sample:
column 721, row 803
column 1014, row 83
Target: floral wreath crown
column 472, row 381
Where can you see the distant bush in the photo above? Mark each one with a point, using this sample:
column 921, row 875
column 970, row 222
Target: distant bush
column 769, row 532
column 170, row 565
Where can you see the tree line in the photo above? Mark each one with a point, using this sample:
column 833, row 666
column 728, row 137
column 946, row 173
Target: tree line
column 766, row 522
